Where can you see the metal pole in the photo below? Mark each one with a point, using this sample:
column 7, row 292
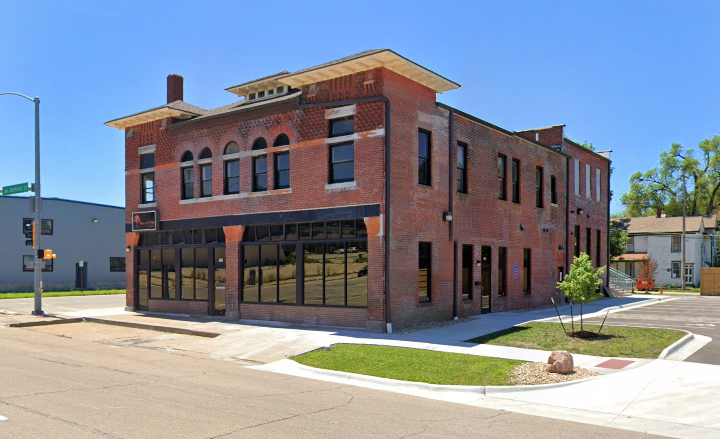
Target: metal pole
column 682, row 239
column 38, row 224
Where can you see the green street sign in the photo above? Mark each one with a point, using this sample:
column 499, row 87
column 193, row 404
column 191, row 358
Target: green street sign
column 16, row 189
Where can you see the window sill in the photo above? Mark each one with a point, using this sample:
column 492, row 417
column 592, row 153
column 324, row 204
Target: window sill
column 468, row 301
column 347, row 185
column 145, row 205
column 502, row 296
column 553, row 205
column 235, row 196
column 146, row 170
column 428, row 303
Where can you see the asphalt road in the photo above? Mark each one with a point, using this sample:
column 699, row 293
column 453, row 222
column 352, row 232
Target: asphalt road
column 699, row 315
column 53, row 305
column 59, row 387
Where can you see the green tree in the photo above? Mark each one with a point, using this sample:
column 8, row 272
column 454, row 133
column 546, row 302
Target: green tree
column 581, row 283
column 662, row 186
column 618, row 236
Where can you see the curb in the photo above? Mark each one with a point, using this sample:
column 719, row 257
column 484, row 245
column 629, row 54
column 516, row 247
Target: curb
column 687, row 339
column 152, row 327
column 46, row 322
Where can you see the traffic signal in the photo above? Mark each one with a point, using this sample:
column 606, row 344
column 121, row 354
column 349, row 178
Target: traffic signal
column 49, row 255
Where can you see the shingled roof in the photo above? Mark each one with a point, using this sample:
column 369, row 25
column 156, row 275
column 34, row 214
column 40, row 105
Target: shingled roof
column 649, row 225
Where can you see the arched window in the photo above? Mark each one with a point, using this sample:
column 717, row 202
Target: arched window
column 260, row 143
column 188, row 176
column 205, row 174
column 281, row 140
column 231, row 148
column 205, row 154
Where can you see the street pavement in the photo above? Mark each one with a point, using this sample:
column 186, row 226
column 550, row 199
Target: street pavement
column 114, row 303
column 67, row 388
column 660, row 396
column 699, row 315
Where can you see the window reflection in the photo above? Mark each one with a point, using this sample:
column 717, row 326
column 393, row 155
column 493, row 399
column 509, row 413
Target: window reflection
column 201, row 273
column 187, row 272
column 268, row 273
column 357, row 269
column 219, row 263
column 288, row 272
column 155, row 275
column 313, row 268
column 335, row 273
column 250, row 274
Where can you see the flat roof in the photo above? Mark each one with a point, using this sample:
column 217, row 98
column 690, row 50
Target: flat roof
column 64, row 201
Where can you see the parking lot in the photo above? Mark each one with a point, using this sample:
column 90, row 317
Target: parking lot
column 699, row 315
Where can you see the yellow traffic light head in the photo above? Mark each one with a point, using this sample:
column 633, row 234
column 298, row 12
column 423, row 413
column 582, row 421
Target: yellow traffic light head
column 49, row 255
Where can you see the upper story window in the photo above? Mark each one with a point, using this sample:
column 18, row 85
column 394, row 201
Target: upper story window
column 342, row 126
column 281, row 140
column 232, row 170
column 588, row 183
column 148, row 188
column 342, row 162
column 424, row 147
column 539, row 183
column 502, row 177
column 577, row 177
column 205, row 174
column 147, row 160
column 630, row 245
column 282, row 170
column 259, row 170
column 553, row 190
column 675, row 244
column 461, row 167
column 515, row 181
column 597, row 185
column 188, row 176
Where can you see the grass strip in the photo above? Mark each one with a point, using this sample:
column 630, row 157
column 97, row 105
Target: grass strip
column 416, row 365
column 26, row 295
column 614, row 341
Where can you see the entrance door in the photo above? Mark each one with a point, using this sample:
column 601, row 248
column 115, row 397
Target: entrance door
column 81, row 275
column 218, row 308
column 467, row 280
column 689, row 274
column 485, row 265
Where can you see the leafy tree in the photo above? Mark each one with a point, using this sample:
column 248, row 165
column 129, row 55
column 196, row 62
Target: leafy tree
column 581, row 283
column 662, row 186
column 618, row 236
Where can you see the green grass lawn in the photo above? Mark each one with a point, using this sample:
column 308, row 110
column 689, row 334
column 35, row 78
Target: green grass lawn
column 413, row 365
column 614, row 341
column 60, row 294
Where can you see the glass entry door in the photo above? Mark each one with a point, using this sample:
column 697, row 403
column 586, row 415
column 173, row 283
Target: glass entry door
column 689, row 274
column 218, row 308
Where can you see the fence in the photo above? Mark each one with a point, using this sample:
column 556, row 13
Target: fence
column 710, row 281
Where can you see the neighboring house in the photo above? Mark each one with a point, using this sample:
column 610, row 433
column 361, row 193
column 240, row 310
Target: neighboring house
column 87, row 238
column 298, row 204
column 659, row 238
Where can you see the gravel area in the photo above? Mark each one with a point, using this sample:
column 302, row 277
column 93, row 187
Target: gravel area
column 534, row 373
column 431, row 325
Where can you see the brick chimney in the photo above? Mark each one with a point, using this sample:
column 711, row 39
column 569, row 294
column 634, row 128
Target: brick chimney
column 174, row 88
column 658, row 212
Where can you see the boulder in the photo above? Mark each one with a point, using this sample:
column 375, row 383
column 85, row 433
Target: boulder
column 560, row 362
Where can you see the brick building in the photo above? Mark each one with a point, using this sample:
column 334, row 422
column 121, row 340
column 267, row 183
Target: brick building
column 320, row 190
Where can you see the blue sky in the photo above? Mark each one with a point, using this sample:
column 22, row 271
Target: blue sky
column 633, row 77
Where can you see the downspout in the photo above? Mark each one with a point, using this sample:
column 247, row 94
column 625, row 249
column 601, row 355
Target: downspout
column 607, row 276
column 451, row 199
column 386, row 222
column 567, row 215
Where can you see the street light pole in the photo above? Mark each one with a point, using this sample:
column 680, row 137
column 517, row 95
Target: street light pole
column 682, row 239
column 38, row 203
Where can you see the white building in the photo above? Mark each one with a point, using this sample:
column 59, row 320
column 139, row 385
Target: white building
column 660, row 238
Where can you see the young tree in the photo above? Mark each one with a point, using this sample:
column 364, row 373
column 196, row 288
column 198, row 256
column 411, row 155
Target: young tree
column 581, row 283
column 649, row 268
column 618, row 236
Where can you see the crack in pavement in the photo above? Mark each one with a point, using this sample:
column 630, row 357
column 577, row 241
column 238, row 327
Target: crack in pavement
column 65, row 421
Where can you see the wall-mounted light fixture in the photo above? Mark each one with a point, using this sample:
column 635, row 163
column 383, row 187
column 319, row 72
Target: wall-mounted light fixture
column 522, row 226
column 447, row 216
column 580, row 211
column 561, row 248
column 127, row 249
column 477, row 263
column 95, row 221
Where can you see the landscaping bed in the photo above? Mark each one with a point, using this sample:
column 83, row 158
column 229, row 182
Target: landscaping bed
column 614, row 341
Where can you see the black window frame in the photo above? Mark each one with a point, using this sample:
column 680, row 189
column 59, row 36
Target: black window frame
column 462, row 167
column 203, row 194
column 515, row 181
column 527, row 270
column 188, row 187
column 598, row 246
column 278, row 170
column 553, row 190
column 338, row 122
column 577, row 241
column 256, row 175
column 228, row 180
column 425, row 249
column 147, row 160
column 426, row 160
column 144, row 189
column 333, row 164
column 48, row 263
column 115, row 268
column 588, row 242
column 502, row 177
column 539, row 187
column 502, row 271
